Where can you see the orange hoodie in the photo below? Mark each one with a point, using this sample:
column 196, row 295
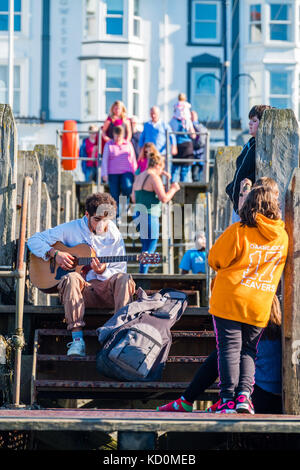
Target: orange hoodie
column 249, row 262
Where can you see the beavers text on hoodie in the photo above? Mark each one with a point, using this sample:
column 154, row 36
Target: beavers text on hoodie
column 249, row 262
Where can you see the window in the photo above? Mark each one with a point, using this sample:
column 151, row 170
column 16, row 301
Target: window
column 136, row 19
column 205, row 93
column 255, row 88
column 90, row 29
column 206, row 19
column 299, row 97
column 135, row 93
column 280, row 89
column 113, row 84
column 114, row 17
column 4, row 15
column 280, row 22
column 255, row 32
column 4, row 87
column 299, row 24
column 90, row 90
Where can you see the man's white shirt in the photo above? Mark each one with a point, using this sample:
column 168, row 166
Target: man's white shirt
column 76, row 232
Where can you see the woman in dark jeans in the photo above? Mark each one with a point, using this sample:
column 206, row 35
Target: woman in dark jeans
column 266, row 396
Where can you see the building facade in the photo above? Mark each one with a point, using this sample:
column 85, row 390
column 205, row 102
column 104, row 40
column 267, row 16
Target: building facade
column 270, row 54
column 74, row 58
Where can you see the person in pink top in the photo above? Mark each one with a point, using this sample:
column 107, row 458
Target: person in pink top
column 148, row 149
column 117, row 117
column 118, row 165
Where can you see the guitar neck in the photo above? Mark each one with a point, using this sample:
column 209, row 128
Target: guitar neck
column 108, row 259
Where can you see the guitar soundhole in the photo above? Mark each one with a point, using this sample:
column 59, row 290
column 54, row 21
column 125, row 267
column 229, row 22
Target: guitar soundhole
column 61, row 272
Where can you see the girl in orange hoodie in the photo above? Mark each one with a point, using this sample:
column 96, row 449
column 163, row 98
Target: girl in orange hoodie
column 249, row 258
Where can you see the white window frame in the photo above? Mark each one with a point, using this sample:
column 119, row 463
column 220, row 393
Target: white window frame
column 298, row 95
column 287, row 22
column 251, row 96
column 124, row 94
column 136, row 20
column 25, row 14
column 23, row 64
column 124, row 17
column 280, row 69
column 136, row 91
column 297, row 21
column 86, row 36
column 85, row 63
column 218, row 23
column 251, row 23
column 213, row 71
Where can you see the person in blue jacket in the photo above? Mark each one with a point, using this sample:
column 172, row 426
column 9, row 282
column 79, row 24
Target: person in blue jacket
column 195, row 259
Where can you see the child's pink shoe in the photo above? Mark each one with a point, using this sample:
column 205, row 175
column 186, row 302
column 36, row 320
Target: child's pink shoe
column 213, row 408
column 178, row 405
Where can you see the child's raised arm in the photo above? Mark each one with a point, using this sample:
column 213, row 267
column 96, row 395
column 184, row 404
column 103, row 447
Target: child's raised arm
column 224, row 250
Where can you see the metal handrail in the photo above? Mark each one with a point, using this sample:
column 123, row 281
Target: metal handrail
column 98, row 159
column 19, row 274
column 167, row 248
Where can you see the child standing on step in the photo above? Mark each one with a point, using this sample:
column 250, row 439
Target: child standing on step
column 249, row 258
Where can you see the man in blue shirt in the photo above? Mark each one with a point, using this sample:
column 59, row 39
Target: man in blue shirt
column 155, row 131
column 194, row 260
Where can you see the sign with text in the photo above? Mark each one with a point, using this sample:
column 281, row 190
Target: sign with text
column 65, row 45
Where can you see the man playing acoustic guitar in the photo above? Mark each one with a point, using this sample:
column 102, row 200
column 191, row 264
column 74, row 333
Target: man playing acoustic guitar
column 101, row 284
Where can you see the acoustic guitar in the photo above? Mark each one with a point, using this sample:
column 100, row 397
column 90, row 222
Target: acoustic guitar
column 46, row 274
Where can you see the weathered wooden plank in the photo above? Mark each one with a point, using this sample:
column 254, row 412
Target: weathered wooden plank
column 291, row 323
column 144, row 421
column 51, row 175
column 28, row 165
column 8, row 197
column 225, row 165
column 46, row 208
column 58, row 309
column 68, row 196
column 277, row 147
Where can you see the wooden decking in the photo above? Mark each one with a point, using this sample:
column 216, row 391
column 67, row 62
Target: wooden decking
column 143, row 421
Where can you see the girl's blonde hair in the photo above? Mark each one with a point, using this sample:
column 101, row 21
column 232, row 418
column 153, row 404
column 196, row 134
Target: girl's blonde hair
column 124, row 110
column 155, row 159
column 260, row 200
column 148, row 145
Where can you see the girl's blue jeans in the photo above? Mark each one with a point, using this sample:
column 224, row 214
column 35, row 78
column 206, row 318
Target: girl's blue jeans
column 148, row 227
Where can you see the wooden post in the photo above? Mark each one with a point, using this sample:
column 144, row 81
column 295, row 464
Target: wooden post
column 68, row 194
column 45, row 208
column 291, row 300
column 28, row 165
column 225, row 165
column 51, row 174
column 45, row 224
column 277, row 147
column 8, row 198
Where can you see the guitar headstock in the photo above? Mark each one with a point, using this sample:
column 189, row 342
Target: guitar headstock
column 149, row 258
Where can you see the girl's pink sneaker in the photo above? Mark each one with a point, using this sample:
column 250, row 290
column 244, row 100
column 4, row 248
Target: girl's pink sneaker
column 181, row 404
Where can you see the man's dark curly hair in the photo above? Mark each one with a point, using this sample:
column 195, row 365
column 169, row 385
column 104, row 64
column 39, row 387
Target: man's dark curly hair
column 102, row 204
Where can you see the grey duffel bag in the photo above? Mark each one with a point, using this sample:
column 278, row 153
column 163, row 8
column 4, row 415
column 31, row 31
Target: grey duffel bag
column 136, row 341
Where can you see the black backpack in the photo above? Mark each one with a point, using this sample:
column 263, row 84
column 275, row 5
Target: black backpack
column 136, row 341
